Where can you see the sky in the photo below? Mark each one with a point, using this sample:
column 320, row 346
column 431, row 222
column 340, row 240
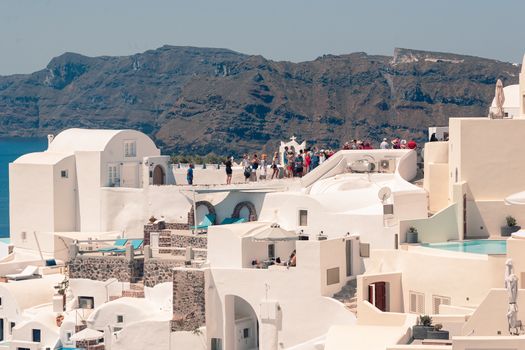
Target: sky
column 33, row 32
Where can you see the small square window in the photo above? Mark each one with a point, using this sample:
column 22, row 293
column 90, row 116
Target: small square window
column 130, row 148
column 11, row 326
column 246, row 333
column 120, row 318
column 303, row 217
column 37, row 335
column 68, row 336
column 64, row 174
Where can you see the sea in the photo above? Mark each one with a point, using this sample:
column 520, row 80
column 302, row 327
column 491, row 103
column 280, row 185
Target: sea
column 10, row 149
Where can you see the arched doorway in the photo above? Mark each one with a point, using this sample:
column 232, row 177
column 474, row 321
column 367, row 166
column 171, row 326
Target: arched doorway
column 159, row 177
column 245, row 328
column 245, row 210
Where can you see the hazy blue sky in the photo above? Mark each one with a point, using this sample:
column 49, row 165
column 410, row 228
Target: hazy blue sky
column 32, row 32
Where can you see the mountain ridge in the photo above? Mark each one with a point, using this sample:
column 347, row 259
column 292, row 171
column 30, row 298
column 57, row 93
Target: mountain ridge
column 201, row 100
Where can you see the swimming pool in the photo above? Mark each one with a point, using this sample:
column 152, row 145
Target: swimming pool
column 478, row 246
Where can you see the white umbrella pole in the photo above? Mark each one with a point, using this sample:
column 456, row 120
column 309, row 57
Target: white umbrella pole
column 194, row 212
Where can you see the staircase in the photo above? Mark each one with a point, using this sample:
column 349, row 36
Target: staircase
column 136, row 290
column 347, row 295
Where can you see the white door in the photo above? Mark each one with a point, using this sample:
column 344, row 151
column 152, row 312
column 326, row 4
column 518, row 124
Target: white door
column 129, row 175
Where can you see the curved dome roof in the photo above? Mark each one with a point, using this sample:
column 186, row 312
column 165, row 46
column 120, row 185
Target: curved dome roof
column 512, row 97
column 72, row 140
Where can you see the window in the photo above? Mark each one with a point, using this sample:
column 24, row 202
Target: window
column 332, row 276
column 271, row 251
column 246, row 333
column 113, row 175
column 388, row 209
column 117, row 329
column 64, row 174
column 417, row 303
column 37, row 336
column 0, row 301
column 216, row 344
column 348, row 249
column 303, row 217
column 120, row 318
column 439, row 300
column 68, row 336
column 364, row 250
column 11, row 326
column 130, row 148
column 86, row 302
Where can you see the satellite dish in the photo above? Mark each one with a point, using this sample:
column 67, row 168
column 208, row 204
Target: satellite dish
column 384, row 193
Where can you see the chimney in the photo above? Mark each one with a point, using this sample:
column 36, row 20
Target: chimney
column 50, row 139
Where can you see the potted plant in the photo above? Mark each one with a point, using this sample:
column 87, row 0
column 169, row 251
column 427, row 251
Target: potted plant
column 424, row 324
column 412, row 235
column 511, row 227
column 437, row 333
column 152, row 219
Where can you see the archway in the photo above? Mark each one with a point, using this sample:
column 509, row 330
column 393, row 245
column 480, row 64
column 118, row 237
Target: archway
column 203, row 208
column 245, row 209
column 159, row 177
column 244, row 330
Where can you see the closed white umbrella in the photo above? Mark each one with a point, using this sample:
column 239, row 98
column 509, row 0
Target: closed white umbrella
column 499, row 98
column 511, row 284
column 87, row 334
column 275, row 233
column 516, row 199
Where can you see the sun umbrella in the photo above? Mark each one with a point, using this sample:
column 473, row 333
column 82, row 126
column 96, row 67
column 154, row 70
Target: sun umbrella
column 511, row 284
column 516, row 199
column 500, row 99
column 274, row 232
column 87, row 334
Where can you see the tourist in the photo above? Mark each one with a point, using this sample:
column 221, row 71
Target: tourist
column 346, row 146
column 366, row 145
column 412, row 144
column 293, row 259
column 315, row 161
column 264, row 164
column 395, row 143
column 384, row 144
column 189, row 174
column 359, row 144
column 433, row 137
column 291, row 165
column 307, row 161
column 299, row 164
column 229, row 171
column 403, row 144
column 255, row 166
column 322, row 157
column 354, row 144
column 247, row 167
column 285, row 161
column 275, row 165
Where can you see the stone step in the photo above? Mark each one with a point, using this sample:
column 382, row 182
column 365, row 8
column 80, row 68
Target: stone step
column 133, row 293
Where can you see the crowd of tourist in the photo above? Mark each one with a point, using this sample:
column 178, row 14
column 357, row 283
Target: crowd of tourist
column 296, row 164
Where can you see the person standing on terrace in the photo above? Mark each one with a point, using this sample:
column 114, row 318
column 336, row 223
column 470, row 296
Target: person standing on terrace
column 275, row 165
column 264, row 164
column 189, row 174
column 229, row 171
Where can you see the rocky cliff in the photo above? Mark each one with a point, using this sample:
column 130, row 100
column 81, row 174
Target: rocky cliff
column 202, row 100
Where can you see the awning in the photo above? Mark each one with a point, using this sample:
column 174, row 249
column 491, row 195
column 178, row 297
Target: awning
column 274, row 232
column 515, row 199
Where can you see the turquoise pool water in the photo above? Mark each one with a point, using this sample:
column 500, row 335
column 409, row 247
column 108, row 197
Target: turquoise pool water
column 478, row 246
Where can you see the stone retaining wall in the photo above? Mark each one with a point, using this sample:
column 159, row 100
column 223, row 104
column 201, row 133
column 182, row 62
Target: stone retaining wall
column 189, row 312
column 195, row 241
column 159, row 271
column 101, row 268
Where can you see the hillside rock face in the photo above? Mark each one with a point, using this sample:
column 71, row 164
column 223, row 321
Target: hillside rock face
column 200, row 100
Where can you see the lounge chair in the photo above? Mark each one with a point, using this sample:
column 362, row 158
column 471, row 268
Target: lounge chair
column 208, row 220
column 29, row 272
column 119, row 243
column 135, row 243
column 229, row 221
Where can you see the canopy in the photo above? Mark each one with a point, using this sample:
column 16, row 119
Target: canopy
column 275, row 233
column 87, row 334
column 516, row 198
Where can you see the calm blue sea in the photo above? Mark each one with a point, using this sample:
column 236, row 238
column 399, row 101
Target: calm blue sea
column 10, row 149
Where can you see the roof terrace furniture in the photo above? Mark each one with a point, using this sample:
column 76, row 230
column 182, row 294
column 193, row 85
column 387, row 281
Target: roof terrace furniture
column 29, row 272
column 209, row 220
column 119, row 244
column 136, row 244
column 229, row 221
